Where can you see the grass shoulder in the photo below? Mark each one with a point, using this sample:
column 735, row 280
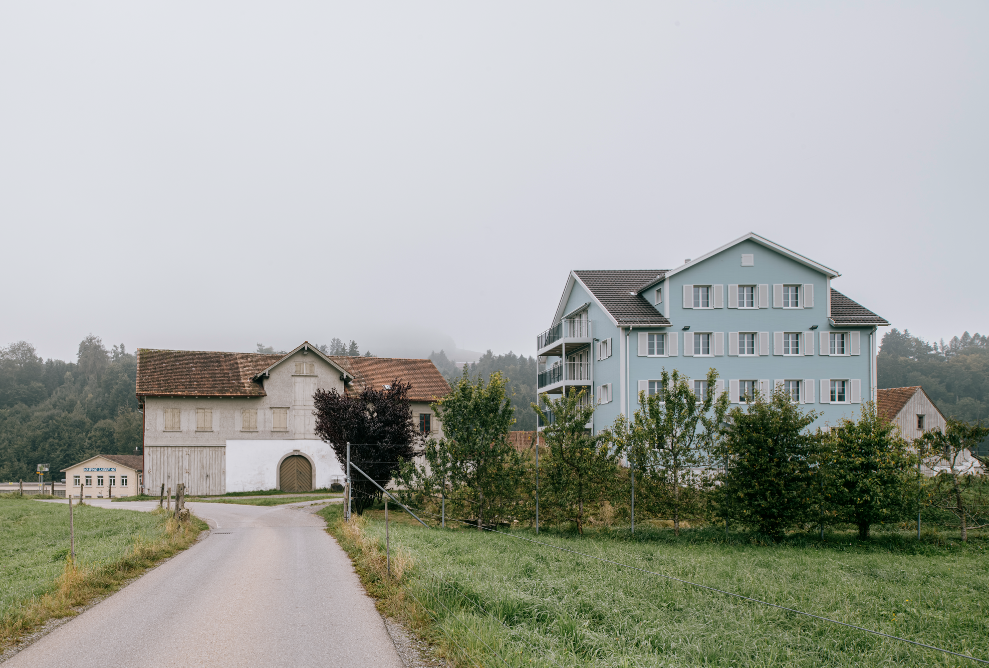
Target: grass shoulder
column 39, row 581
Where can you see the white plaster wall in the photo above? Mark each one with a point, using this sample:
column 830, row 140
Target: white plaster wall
column 253, row 465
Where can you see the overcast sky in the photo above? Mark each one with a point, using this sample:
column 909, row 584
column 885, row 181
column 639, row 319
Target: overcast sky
column 416, row 175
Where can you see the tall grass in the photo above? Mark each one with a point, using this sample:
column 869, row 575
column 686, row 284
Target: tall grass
column 37, row 579
column 535, row 605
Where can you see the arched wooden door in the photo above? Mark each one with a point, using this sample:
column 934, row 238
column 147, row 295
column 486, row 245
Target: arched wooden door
column 295, row 474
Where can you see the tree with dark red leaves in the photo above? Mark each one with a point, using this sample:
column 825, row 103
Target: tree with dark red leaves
column 378, row 425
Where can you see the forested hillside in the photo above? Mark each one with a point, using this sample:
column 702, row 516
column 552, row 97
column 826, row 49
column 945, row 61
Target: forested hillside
column 519, row 371
column 62, row 412
column 955, row 374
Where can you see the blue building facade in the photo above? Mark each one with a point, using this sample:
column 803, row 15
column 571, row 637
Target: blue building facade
column 760, row 314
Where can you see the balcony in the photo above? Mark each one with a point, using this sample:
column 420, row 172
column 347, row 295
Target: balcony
column 564, row 374
column 568, row 331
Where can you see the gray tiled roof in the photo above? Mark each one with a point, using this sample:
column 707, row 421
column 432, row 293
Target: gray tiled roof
column 617, row 290
column 846, row 312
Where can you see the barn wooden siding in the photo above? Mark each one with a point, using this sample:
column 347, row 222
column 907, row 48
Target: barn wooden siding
column 202, row 469
column 919, row 404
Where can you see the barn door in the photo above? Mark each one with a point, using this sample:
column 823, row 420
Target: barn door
column 295, row 474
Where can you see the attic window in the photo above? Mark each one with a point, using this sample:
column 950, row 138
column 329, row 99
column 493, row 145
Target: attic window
column 305, row 368
column 748, row 260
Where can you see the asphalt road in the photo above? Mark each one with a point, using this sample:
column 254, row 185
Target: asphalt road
column 268, row 587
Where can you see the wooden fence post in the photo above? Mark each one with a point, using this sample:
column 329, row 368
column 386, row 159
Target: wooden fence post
column 161, row 501
column 21, row 487
column 168, row 499
column 72, row 534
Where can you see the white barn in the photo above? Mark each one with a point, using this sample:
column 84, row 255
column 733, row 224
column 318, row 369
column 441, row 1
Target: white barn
column 230, row 422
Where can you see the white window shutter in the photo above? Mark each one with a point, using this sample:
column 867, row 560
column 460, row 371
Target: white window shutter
column 808, row 343
column 733, row 343
column 719, row 344
column 777, row 343
column 777, row 295
column 808, row 296
column 688, row 296
column 763, row 295
column 763, row 343
column 688, row 344
column 643, row 387
column 765, row 390
column 610, row 344
column 825, row 343
column 719, row 387
column 597, row 393
column 825, row 390
column 597, row 348
column 732, row 295
column 643, row 344
column 808, row 391
column 733, row 391
column 719, row 297
column 856, row 342
column 671, row 344
column 856, row 390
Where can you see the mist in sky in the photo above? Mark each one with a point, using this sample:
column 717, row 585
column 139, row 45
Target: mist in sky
column 423, row 175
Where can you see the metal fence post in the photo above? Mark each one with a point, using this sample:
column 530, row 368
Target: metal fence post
column 348, row 509
column 387, row 541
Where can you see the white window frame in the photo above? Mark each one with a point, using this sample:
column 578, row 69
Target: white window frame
column 755, row 344
column 833, row 338
column 658, row 296
column 755, row 296
column 699, row 292
column 742, row 393
column 123, row 481
column 89, row 481
column 710, row 344
column 113, row 481
column 75, row 481
column 833, row 391
column 651, row 343
column 787, row 288
column 655, row 387
column 792, row 387
column 788, row 338
column 99, row 481
column 604, row 394
column 701, row 385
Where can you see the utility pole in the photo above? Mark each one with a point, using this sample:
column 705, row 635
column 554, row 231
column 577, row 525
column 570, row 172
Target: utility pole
column 537, row 480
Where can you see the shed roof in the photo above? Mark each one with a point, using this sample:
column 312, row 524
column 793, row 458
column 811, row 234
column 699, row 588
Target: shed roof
column 844, row 311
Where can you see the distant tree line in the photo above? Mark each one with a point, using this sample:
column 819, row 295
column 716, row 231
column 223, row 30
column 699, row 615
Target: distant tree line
column 337, row 348
column 61, row 413
column 517, row 371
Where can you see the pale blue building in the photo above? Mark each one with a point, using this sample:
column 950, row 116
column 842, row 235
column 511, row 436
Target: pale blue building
column 759, row 313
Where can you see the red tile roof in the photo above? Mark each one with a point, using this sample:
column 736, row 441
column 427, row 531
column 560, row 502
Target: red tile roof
column 891, row 401
column 186, row 373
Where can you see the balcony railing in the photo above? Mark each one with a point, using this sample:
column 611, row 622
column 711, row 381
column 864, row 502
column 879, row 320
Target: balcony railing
column 572, row 328
column 564, row 371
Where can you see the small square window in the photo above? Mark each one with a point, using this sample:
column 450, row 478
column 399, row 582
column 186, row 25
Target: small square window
column 838, row 343
column 746, row 391
column 746, row 296
column 746, row 343
column 425, row 423
column 791, row 296
column 748, row 259
column 657, row 345
column 839, row 394
column 700, row 389
column 791, row 343
column 702, row 344
column 702, row 296
column 792, row 388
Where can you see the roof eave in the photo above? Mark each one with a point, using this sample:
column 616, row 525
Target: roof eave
column 858, row 324
column 305, row 345
column 762, row 241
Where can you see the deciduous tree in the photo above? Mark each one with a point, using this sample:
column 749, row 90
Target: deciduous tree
column 958, row 477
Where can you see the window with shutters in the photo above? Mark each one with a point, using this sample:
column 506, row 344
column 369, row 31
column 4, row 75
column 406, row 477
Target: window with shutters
column 89, row 481
column 249, row 420
column 839, row 343
column 305, row 368
column 746, row 343
column 173, row 419
column 839, row 391
column 658, row 296
column 920, row 423
column 123, row 481
column 604, row 394
column 425, row 423
column 75, row 481
column 792, row 389
column 204, row 419
column 655, row 387
column 700, row 390
column 604, row 349
column 746, row 390
column 791, row 343
column 702, row 296
column 702, row 344
column 746, row 296
column 279, row 419
column 657, row 345
column 791, row 296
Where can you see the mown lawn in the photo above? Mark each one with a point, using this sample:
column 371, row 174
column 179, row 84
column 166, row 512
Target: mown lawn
column 536, row 605
column 34, row 542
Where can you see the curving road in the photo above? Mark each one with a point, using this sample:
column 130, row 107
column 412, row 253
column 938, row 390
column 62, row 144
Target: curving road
column 268, row 587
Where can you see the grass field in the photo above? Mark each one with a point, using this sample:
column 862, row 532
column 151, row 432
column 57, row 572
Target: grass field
column 267, row 501
column 110, row 546
column 534, row 605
